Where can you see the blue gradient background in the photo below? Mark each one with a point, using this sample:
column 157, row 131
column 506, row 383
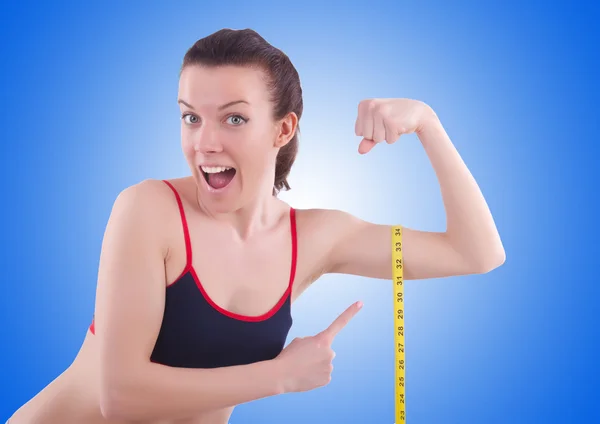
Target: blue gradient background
column 89, row 108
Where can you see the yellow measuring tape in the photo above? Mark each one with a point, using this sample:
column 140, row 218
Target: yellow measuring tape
column 398, row 280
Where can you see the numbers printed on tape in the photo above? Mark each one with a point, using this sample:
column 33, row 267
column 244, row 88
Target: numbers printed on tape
column 398, row 278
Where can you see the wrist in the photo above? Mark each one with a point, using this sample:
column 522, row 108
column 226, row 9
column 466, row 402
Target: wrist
column 278, row 376
column 429, row 126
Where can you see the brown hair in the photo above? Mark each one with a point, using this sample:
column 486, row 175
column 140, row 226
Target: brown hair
column 247, row 48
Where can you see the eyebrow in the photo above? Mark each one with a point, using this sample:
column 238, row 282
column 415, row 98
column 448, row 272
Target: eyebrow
column 225, row 106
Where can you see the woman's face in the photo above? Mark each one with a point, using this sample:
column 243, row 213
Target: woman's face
column 228, row 134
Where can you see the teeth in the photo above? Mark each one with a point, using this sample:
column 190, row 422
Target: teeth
column 214, row 169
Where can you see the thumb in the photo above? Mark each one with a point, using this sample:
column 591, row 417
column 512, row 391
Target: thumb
column 365, row 146
column 340, row 322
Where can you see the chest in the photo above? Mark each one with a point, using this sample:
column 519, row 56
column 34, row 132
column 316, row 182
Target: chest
column 249, row 280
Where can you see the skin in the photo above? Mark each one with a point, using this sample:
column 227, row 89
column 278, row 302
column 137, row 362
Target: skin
column 111, row 379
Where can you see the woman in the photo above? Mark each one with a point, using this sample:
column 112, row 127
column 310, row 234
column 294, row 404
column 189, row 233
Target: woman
column 197, row 274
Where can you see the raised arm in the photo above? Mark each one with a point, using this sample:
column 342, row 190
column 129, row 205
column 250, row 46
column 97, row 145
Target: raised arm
column 129, row 310
column 471, row 243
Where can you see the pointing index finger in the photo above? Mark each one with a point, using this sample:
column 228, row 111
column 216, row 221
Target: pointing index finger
column 341, row 321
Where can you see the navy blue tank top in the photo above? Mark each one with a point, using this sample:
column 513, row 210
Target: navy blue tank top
column 198, row 333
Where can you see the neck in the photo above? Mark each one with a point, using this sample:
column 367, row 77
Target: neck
column 261, row 213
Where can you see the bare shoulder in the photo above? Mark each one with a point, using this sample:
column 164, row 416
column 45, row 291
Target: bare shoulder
column 150, row 197
column 150, row 204
column 151, row 189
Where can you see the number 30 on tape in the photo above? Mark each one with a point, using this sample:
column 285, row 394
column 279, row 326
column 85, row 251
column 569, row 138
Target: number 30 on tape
column 398, row 280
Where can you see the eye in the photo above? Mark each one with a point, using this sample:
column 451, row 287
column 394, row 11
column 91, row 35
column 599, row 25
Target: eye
column 193, row 119
column 236, row 120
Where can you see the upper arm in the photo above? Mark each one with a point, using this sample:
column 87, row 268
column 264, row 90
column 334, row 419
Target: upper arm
column 362, row 248
column 131, row 282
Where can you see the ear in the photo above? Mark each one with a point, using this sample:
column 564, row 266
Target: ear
column 286, row 128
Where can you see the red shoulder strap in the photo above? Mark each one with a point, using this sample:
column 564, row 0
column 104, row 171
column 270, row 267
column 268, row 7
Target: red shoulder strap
column 186, row 231
column 294, row 246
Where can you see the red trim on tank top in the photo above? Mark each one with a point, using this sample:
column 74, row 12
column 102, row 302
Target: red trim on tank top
column 283, row 298
column 186, row 234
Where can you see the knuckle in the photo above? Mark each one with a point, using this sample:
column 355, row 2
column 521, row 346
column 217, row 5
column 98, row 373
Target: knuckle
column 380, row 108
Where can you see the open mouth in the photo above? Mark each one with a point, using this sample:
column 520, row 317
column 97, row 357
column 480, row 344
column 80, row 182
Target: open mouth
column 218, row 177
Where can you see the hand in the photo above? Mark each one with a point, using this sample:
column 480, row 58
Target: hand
column 387, row 119
column 306, row 362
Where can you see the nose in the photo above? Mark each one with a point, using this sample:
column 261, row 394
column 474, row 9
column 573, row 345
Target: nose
column 207, row 141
